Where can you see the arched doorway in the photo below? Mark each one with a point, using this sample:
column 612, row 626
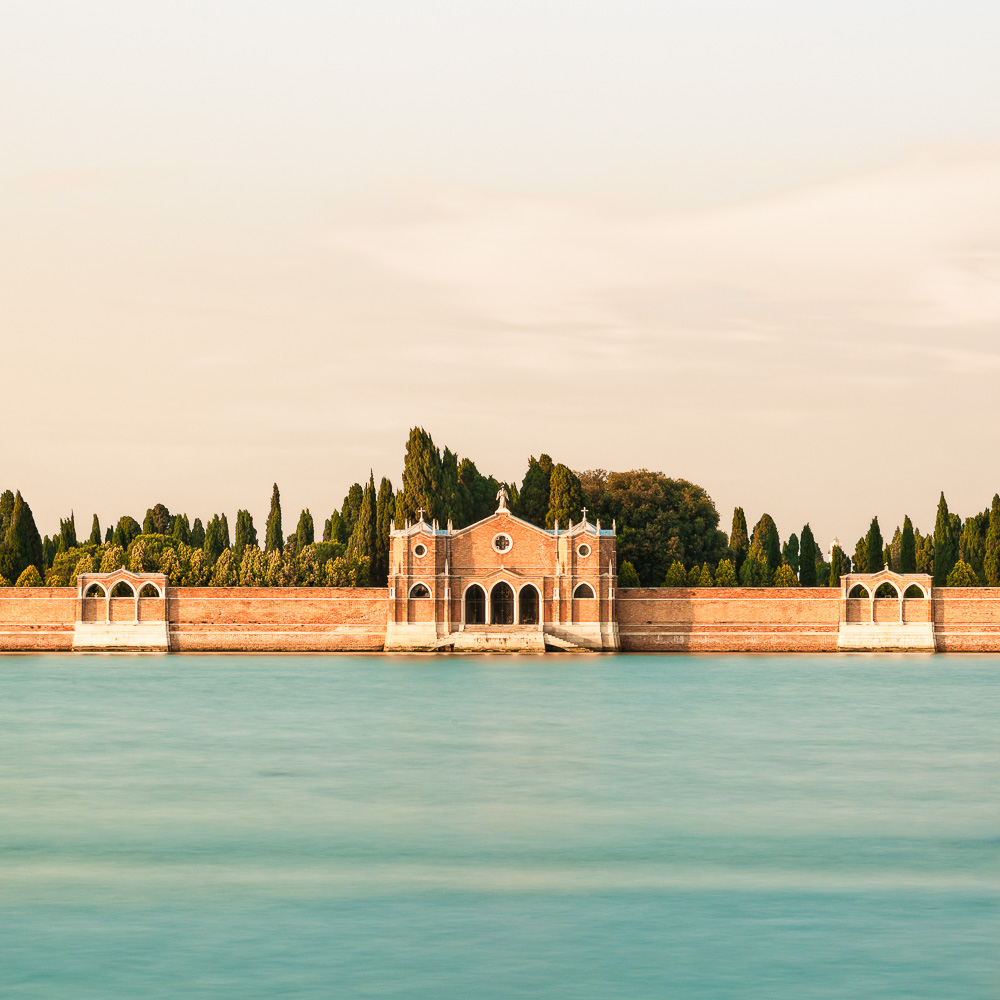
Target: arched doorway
column 475, row 605
column 527, row 606
column 502, row 604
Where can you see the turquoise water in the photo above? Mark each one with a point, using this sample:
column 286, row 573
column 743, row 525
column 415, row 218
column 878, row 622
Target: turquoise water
column 606, row 827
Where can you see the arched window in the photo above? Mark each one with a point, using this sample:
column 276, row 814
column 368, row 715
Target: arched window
column 887, row 590
column 913, row 592
column 475, row 605
column 858, row 591
column 419, row 591
column 502, row 604
column 149, row 591
column 527, row 606
column 583, row 590
column 96, row 590
column 123, row 589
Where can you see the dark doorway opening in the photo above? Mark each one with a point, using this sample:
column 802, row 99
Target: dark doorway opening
column 475, row 605
column 502, row 605
column 527, row 611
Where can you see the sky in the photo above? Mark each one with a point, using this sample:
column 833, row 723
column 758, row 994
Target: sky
column 755, row 245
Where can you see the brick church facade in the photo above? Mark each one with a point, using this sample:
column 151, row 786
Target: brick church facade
column 502, row 584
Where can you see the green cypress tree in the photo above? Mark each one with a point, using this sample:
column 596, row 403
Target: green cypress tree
column 790, row 551
column 705, row 578
column 273, row 540
column 6, row 510
column 807, row 557
column 246, row 535
column 422, row 480
column 961, row 575
column 385, row 509
column 945, row 555
column 362, row 543
column 109, row 535
column 785, row 576
column 67, row 533
column 22, row 544
column 305, row 532
column 181, row 532
column 50, row 549
column 676, row 575
column 566, row 499
column 214, row 542
column 991, row 555
column 739, row 541
column 197, row 540
column 95, row 532
column 352, row 507
column 836, row 566
column 907, row 548
column 875, row 548
column 694, row 575
column 773, row 551
column 627, row 576
column 533, row 499
column 334, row 530
column 860, row 558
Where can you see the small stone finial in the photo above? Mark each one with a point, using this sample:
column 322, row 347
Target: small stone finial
column 598, row 525
column 614, row 525
column 502, row 498
column 450, row 528
column 435, row 524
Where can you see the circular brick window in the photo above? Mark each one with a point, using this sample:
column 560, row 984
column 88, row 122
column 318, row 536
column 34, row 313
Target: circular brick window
column 419, row 549
column 583, row 551
column 502, row 542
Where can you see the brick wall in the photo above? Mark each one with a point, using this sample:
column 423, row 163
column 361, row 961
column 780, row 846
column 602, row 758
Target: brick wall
column 728, row 620
column 37, row 618
column 967, row 619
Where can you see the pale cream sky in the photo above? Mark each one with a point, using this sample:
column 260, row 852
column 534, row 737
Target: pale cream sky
column 756, row 245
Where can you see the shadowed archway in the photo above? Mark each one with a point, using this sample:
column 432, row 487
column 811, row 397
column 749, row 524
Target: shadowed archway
column 502, row 604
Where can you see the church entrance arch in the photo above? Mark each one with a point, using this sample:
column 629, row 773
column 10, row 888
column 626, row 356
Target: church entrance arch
column 527, row 605
column 475, row 605
column 502, row 604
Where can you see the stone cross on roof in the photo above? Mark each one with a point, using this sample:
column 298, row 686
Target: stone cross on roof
column 583, row 510
column 420, row 513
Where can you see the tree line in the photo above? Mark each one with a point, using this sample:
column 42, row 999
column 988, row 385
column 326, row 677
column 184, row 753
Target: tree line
column 668, row 534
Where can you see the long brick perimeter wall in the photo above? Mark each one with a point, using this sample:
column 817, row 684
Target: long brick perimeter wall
column 333, row 619
column 704, row 620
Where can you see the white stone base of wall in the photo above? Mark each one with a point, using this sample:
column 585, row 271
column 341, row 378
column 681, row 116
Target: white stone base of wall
column 869, row 638
column 126, row 636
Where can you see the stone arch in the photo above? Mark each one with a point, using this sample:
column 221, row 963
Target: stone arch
column 91, row 588
column 583, row 591
column 502, row 604
column 474, row 605
column 123, row 588
column 859, row 591
column 914, row 592
column 420, row 592
column 887, row 591
column 149, row 590
column 528, row 605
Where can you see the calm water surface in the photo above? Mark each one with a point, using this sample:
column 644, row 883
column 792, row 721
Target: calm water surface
column 606, row 827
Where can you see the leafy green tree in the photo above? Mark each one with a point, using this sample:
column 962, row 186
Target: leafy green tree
column 95, row 532
column 113, row 558
column 705, row 578
column 659, row 520
column 807, row 557
column 874, row 548
column 30, row 578
column 627, row 576
column 694, row 574
column 253, row 568
column 991, row 555
column 385, row 509
column 784, row 576
column 422, row 481
column 972, row 545
column 225, row 573
column 50, row 548
column 725, row 574
column 790, row 552
column 945, row 555
column 216, row 539
column 761, row 544
column 676, row 575
column 739, row 541
column 533, row 500
column 305, row 532
column 907, row 548
column 273, row 540
column 962, row 575
column 158, row 521
column 773, row 549
column 126, row 530
column 566, row 499
column 22, row 544
column 895, row 549
column 246, row 535
column 753, row 572
column 4, row 582
column 837, row 558
column 109, row 535
column 181, row 532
